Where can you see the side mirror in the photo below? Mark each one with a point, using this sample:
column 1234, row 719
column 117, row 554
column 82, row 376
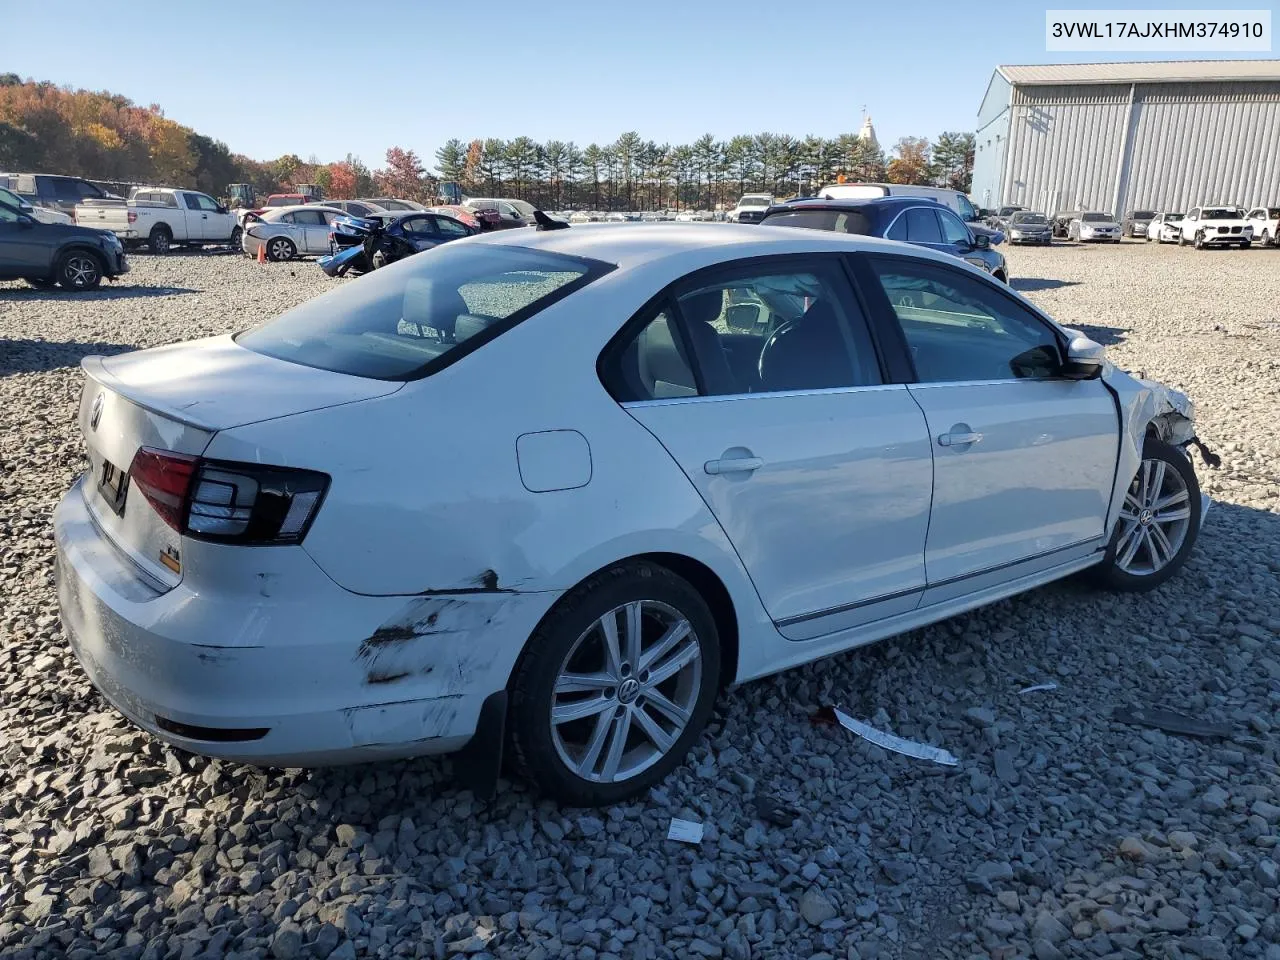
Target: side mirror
column 1085, row 359
column 26, row 221
column 982, row 241
column 221, row 208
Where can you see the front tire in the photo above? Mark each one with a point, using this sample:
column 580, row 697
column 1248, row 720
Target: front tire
column 79, row 270
column 1266, row 239
column 1199, row 239
column 237, row 236
column 1158, row 525
column 615, row 686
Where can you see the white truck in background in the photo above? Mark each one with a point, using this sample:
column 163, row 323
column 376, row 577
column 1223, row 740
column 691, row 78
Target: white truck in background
column 161, row 217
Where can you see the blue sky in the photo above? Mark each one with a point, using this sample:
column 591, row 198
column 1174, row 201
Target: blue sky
column 669, row 69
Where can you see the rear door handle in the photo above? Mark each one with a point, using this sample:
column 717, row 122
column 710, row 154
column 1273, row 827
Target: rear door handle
column 958, row 439
column 733, row 465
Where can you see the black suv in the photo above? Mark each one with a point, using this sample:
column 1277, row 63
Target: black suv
column 919, row 220
column 54, row 191
column 76, row 258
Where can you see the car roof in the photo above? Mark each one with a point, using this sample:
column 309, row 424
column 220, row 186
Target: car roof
column 630, row 248
column 277, row 211
column 859, row 203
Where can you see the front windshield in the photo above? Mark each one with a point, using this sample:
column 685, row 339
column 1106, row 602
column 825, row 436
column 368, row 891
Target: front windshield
column 754, row 202
column 1096, row 218
column 399, row 322
column 1032, row 218
column 1173, row 217
column 1221, row 213
column 1144, row 214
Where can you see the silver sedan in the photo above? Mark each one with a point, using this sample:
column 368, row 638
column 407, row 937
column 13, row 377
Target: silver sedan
column 288, row 232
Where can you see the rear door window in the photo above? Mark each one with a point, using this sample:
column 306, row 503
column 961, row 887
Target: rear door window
column 922, row 226
column 410, row 319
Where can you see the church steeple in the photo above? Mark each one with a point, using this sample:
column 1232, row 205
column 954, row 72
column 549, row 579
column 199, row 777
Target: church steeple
column 868, row 132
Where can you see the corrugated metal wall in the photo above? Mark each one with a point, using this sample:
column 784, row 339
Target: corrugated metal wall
column 1064, row 146
column 989, row 147
column 1204, row 143
column 1188, row 143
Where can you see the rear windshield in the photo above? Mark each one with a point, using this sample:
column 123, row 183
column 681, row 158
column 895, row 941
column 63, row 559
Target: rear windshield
column 841, row 221
column 283, row 202
column 416, row 316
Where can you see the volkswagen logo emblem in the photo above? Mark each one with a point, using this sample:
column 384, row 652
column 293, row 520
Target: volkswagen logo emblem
column 628, row 691
column 95, row 412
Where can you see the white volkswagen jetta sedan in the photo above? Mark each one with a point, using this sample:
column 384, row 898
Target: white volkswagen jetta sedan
column 555, row 489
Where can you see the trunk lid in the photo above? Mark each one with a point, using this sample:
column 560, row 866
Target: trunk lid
column 103, row 214
column 176, row 398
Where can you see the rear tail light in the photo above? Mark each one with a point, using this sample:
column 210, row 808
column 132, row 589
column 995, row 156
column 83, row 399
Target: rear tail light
column 226, row 502
column 133, row 216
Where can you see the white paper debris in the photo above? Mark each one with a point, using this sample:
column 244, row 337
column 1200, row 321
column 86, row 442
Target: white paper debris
column 1039, row 688
column 686, row 831
column 921, row 751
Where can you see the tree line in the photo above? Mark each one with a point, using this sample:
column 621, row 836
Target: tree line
column 106, row 137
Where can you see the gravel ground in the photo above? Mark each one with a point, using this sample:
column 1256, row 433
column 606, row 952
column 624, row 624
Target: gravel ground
column 1062, row 833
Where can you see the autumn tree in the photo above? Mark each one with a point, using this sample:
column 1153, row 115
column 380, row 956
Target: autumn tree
column 403, row 175
column 342, row 180
column 911, row 162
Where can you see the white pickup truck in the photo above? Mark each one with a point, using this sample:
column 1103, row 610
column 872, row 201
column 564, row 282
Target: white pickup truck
column 161, row 217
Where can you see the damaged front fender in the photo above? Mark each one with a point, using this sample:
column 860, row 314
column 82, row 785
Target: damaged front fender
column 1147, row 408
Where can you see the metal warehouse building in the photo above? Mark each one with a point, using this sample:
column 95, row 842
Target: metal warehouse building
column 1130, row 136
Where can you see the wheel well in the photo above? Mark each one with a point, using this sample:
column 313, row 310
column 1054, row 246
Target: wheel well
column 701, row 578
column 713, row 591
column 161, row 228
column 1000, row 275
column 79, row 247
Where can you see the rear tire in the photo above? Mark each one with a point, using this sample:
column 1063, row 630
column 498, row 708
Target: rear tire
column 626, row 720
column 1158, row 524
column 160, row 240
column 281, row 248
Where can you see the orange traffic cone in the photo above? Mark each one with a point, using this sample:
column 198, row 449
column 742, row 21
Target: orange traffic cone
column 262, row 253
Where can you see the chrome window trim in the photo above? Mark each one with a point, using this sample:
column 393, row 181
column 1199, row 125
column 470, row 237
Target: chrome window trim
column 762, row 395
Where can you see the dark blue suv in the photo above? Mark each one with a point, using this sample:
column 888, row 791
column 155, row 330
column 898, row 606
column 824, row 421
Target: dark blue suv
column 915, row 220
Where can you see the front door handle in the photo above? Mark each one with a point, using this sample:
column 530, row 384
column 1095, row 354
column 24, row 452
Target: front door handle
column 732, row 465
column 960, row 436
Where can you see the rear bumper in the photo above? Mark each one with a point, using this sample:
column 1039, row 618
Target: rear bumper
column 302, row 674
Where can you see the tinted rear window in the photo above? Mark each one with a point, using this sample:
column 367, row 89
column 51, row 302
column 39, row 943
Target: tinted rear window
column 416, row 316
column 841, row 221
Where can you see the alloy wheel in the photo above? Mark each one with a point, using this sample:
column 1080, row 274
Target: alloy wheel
column 626, row 691
column 81, row 271
column 1154, row 519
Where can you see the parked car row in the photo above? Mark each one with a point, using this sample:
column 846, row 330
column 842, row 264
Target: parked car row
column 1206, row 226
